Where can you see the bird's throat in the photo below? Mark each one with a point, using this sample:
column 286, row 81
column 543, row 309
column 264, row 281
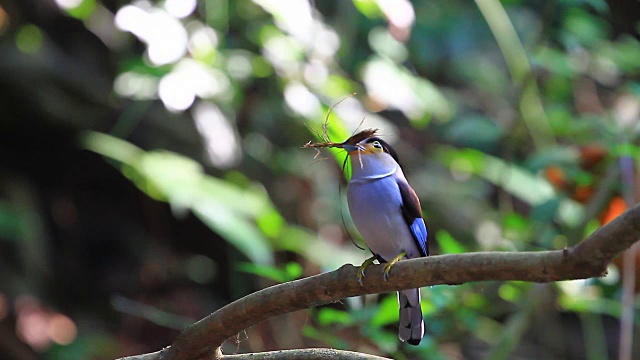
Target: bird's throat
column 370, row 177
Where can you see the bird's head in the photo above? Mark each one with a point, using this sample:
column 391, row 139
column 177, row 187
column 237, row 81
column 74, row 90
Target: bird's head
column 367, row 143
column 370, row 153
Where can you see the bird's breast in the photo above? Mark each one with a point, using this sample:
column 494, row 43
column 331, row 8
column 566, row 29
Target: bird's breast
column 375, row 208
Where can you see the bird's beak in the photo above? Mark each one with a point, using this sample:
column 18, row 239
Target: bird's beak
column 350, row 148
column 353, row 148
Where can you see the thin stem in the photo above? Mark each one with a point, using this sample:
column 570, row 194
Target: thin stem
column 594, row 336
column 628, row 266
column 531, row 108
column 516, row 325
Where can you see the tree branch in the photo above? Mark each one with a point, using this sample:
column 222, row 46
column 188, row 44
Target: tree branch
column 589, row 258
column 305, row 354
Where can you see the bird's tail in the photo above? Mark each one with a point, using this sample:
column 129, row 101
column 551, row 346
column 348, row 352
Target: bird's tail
column 411, row 328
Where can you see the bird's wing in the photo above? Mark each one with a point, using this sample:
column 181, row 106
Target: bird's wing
column 412, row 214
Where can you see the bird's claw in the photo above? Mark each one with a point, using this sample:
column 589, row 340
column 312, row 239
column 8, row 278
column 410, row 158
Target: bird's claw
column 362, row 268
column 360, row 276
column 387, row 266
column 387, row 270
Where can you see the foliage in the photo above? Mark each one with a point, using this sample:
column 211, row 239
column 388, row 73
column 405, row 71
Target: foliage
column 510, row 118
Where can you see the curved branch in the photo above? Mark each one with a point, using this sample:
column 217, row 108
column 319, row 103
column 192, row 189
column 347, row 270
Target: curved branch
column 589, row 258
column 305, row 354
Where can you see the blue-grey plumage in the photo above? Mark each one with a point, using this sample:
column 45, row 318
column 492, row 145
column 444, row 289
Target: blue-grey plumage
column 387, row 214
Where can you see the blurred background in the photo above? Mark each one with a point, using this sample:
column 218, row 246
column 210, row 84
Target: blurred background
column 151, row 168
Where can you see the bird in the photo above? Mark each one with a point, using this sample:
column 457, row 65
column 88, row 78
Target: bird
column 387, row 213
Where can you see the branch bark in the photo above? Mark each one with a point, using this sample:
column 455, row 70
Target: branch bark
column 589, row 258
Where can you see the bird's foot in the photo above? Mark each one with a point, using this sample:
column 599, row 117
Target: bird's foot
column 362, row 267
column 387, row 266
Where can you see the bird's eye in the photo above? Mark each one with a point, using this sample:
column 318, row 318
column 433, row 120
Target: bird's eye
column 376, row 144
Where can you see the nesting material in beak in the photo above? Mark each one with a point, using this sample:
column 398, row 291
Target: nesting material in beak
column 350, row 144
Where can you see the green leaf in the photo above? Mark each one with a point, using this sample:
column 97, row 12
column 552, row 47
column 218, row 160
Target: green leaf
column 238, row 230
column 512, row 291
column 291, row 271
column 266, row 271
column 474, row 131
column 330, row 316
column 546, row 211
column 387, row 312
column 386, row 45
column 271, row 223
column 519, row 182
column 10, row 221
column 29, row 39
column 368, row 8
column 109, row 146
column 243, row 216
column 554, row 60
column 585, row 27
column 83, row 10
column 449, row 245
column 326, row 337
column 552, row 156
column 515, row 226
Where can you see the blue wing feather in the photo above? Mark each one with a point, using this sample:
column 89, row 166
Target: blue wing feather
column 419, row 231
column 412, row 215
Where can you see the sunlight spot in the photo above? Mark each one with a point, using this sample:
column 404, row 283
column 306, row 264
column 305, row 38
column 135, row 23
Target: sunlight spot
column 191, row 78
column 489, row 237
column 579, row 289
column 69, row 4
column 461, row 169
column 136, row 86
column 401, row 17
column 386, row 45
column 201, row 269
column 205, row 81
column 613, row 275
column 175, row 93
column 295, row 17
column 219, row 134
column 355, row 116
column 627, row 110
column 301, row 100
column 239, row 65
column 180, row 8
column 410, row 96
column 400, row 13
column 62, row 329
column 203, row 41
column 131, row 18
column 283, row 52
column 165, row 36
column 327, row 43
column 29, row 39
column 316, row 73
column 379, row 77
column 169, row 40
column 258, row 146
column 32, row 323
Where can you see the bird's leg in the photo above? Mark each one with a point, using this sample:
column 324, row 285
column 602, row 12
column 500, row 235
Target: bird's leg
column 362, row 267
column 387, row 266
